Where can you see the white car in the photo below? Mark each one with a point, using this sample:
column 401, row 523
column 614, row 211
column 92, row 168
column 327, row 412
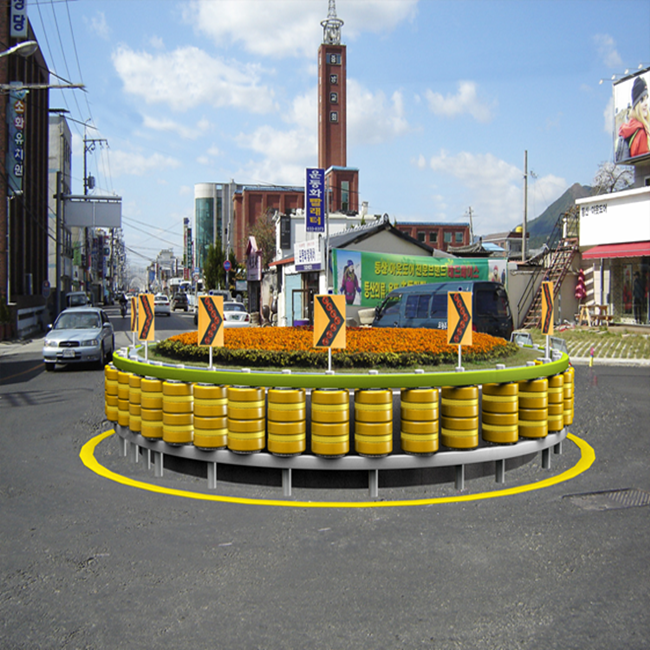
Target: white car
column 161, row 305
column 79, row 335
column 234, row 315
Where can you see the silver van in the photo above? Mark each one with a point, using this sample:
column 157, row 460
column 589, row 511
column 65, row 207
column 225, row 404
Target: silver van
column 425, row 305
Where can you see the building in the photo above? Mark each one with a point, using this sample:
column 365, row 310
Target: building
column 341, row 180
column 615, row 227
column 437, row 235
column 24, row 182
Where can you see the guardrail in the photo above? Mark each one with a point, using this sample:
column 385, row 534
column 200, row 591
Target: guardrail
column 319, row 422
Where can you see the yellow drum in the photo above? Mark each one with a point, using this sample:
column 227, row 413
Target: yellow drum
column 373, row 422
column 151, row 407
column 135, row 393
column 569, row 387
column 556, row 403
column 533, row 408
column 287, row 421
column 110, row 392
column 459, row 422
column 500, row 413
column 123, row 414
column 177, row 410
column 420, row 417
column 210, row 416
column 330, row 422
column 246, row 419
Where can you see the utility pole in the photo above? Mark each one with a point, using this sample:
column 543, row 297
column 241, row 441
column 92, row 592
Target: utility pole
column 471, row 226
column 523, row 230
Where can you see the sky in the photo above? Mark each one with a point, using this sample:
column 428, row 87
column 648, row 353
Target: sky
column 444, row 99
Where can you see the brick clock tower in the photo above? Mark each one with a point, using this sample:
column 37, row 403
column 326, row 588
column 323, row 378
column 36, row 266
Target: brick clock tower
column 342, row 180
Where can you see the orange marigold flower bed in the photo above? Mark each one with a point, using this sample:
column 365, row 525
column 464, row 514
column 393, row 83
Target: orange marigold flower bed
column 364, row 347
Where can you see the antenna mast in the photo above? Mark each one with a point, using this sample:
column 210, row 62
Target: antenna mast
column 332, row 26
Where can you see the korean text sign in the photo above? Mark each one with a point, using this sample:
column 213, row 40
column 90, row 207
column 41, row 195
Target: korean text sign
column 315, row 200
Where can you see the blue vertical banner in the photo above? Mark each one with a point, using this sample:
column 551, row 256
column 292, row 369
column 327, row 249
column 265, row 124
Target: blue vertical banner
column 18, row 28
column 315, row 200
column 15, row 163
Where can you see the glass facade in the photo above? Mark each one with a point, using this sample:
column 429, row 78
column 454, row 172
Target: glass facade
column 204, row 216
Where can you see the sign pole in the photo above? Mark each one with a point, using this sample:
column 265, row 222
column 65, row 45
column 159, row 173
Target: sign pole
column 329, row 359
column 211, row 368
column 460, row 364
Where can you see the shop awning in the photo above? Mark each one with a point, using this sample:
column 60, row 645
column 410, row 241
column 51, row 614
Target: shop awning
column 635, row 249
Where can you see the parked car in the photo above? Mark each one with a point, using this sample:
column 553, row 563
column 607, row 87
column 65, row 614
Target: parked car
column 234, row 315
column 77, row 299
column 180, row 301
column 425, row 305
column 79, row 335
column 161, row 305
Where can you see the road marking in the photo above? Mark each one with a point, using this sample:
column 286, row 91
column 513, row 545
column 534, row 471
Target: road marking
column 87, row 455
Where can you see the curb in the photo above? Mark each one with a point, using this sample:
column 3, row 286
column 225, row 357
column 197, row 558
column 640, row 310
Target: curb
column 605, row 361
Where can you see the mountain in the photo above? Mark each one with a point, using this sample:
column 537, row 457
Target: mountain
column 541, row 227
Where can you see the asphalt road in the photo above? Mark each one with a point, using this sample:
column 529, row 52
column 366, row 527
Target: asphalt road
column 89, row 563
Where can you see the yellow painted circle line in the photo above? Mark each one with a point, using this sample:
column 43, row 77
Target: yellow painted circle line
column 87, row 455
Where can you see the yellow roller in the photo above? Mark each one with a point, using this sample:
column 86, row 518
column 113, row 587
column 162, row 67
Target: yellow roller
column 330, row 422
column 287, row 421
column 373, row 427
column 499, row 413
column 459, row 420
column 246, row 419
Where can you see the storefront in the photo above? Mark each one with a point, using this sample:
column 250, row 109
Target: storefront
column 621, row 274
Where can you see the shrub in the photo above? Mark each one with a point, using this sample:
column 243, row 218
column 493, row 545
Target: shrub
column 365, row 348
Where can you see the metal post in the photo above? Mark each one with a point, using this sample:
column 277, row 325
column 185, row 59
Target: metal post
column 286, row 481
column 373, row 483
column 212, row 476
column 500, row 471
column 158, row 463
column 546, row 458
column 58, row 287
column 460, row 477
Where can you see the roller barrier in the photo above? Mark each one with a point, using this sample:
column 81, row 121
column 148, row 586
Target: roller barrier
column 306, row 421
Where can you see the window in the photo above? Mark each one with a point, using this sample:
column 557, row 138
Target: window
column 334, row 116
column 447, row 238
column 433, row 237
column 421, row 236
column 334, row 98
column 345, row 196
column 334, row 79
column 417, row 306
column 459, row 237
column 391, row 306
column 334, row 59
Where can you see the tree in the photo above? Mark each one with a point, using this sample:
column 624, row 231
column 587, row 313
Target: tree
column 214, row 274
column 264, row 232
column 612, row 178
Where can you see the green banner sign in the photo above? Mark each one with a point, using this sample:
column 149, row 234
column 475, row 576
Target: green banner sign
column 367, row 278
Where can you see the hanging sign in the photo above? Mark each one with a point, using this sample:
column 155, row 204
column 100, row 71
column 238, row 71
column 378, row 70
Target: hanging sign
column 329, row 321
column 145, row 317
column 211, row 326
column 547, row 308
column 315, row 200
column 459, row 318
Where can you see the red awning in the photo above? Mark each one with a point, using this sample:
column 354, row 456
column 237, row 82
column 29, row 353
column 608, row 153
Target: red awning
column 635, row 249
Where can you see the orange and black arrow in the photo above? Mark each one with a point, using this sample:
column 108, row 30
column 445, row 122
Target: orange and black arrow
column 464, row 318
column 147, row 324
column 335, row 321
column 214, row 324
column 547, row 308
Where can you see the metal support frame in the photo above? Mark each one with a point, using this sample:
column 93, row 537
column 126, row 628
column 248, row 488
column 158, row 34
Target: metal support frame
column 156, row 449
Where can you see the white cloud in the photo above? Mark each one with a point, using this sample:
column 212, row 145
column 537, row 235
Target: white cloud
column 608, row 115
column 372, row 119
column 137, row 164
column 607, row 51
column 170, row 126
column 494, row 188
column 465, row 101
column 290, row 27
column 99, row 26
column 188, row 77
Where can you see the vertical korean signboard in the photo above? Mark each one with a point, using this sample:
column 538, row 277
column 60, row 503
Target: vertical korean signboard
column 16, row 145
column 315, row 200
column 18, row 28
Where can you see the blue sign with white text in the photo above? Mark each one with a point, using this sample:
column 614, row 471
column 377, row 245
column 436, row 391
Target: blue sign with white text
column 315, row 200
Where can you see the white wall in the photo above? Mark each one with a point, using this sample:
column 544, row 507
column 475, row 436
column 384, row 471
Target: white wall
column 615, row 218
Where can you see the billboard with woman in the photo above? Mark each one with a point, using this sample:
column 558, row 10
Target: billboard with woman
column 632, row 118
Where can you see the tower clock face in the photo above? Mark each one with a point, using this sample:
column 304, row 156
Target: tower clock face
column 334, row 98
column 334, row 59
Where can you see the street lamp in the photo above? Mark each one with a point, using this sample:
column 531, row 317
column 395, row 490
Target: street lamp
column 25, row 48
